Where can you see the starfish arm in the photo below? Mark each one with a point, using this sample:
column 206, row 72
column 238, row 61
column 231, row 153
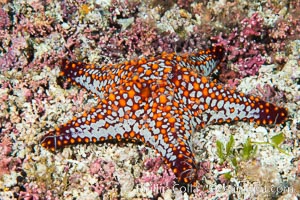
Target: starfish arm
column 169, row 127
column 109, row 121
column 212, row 103
column 174, row 145
column 93, row 78
column 237, row 107
column 204, row 62
column 104, row 79
column 99, row 80
column 115, row 118
column 184, row 165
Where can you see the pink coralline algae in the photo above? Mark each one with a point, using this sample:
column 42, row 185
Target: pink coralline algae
column 248, row 44
column 250, row 66
column 242, row 45
column 170, row 42
column 185, row 3
column 123, row 9
column 157, row 175
column 7, row 163
column 39, row 25
column 138, row 39
column 279, row 37
column 4, row 19
column 15, row 55
column 104, row 172
column 268, row 93
column 35, row 192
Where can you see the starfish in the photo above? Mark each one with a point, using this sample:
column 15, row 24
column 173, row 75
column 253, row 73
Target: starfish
column 159, row 101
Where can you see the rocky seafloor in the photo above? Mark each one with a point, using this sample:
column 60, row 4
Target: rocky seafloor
column 262, row 44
